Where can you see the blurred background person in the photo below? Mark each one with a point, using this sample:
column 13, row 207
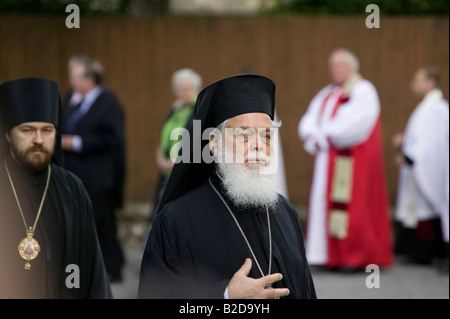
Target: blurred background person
column 93, row 142
column 72, row 98
column 348, row 222
column 186, row 84
column 422, row 211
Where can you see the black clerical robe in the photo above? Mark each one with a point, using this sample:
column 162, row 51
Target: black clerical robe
column 70, row 263
column 195, row 247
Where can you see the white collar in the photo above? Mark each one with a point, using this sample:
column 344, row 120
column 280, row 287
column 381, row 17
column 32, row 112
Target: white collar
column 434, row 94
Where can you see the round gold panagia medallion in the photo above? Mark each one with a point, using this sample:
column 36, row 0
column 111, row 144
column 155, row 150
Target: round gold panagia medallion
column 29, row 249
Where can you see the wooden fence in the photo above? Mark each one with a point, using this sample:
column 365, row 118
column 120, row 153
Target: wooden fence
column 140, row 55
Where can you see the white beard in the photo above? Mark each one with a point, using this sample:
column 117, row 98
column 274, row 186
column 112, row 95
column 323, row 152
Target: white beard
column 249, row 187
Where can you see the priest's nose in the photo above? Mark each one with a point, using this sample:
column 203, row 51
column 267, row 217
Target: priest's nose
column 38, row 137
column 255, row 143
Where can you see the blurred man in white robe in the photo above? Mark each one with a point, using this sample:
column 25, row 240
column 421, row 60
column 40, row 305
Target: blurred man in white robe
column 422, row 211
column 348, row 222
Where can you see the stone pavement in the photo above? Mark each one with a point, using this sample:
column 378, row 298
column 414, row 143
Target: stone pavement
column 399, row 282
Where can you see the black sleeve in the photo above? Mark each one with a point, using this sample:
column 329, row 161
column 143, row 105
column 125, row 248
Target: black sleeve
column 109, row 130
column 408, row 160
column 94, row 280
column 98, row 285
column 162, row 274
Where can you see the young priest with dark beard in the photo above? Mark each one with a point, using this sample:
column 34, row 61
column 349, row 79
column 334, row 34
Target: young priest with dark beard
column 48, row 242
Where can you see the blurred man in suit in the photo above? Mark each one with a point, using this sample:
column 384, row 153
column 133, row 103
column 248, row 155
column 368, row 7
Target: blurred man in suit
column 93, row 142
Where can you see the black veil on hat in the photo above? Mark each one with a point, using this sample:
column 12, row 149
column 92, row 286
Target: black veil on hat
column 221, row 100
column 31, row 100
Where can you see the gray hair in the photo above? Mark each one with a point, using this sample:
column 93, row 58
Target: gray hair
column 188, row 74
column 350, row 58
column 221, row 127
column 432, row 73
column 92, row 67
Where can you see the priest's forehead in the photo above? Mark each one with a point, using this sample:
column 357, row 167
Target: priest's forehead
column 253, row 120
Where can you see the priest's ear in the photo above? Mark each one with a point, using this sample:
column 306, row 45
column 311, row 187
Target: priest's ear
column 8, row 136
column 215, row 141
column 213, row 138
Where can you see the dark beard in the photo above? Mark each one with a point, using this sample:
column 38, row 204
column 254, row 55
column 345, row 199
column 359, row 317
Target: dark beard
column 33, row 165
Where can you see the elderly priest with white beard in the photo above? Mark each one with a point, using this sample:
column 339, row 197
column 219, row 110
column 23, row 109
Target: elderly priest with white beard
column 222, row 229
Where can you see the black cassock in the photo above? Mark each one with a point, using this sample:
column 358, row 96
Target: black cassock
column 65, row 231
column 195, row 247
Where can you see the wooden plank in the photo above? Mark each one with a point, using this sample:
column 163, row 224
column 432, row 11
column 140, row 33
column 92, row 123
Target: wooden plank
column 141, row 54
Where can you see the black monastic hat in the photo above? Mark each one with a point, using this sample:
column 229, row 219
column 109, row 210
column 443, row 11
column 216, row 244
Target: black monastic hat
column 31, row 100
column 224, row 99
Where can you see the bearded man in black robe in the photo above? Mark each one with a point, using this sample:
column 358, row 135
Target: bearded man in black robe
column 48, row 242
column 222, row 229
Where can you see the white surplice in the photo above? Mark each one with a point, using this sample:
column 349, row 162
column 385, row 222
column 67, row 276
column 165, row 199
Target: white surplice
column 423, row 188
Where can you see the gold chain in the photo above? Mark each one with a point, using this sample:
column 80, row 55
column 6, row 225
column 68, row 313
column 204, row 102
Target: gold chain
column 18, row 203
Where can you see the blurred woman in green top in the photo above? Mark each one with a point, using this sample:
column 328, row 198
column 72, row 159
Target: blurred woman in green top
column 186, row 84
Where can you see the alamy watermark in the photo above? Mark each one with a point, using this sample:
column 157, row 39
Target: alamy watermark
column 373, row 279
column 264, row 140
column 73, row 19
column 73, row 277
column 373, row 19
